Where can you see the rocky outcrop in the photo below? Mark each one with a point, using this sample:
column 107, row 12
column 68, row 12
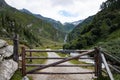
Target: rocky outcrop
column 7, row 65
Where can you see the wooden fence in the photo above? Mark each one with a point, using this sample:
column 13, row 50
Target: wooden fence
column 98, row 58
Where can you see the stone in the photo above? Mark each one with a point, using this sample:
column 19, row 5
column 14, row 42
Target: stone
column 8, row 51
column 1, row 58
column 7, row 65
column 3, row 43
column 7, row 69
column 25, row 78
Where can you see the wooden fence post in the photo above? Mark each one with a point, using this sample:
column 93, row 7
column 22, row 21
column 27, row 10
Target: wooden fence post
column 23, row 62
column 98, row 63
column 15, row 48
column 30, row 55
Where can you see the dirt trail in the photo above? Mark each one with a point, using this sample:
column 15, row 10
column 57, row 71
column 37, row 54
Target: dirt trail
column 62, row 69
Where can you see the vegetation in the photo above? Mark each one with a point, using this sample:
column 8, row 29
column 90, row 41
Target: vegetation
column 116, row 77
column 36, row 61
column 103, row 30
column 18, row 76
column 30, row 29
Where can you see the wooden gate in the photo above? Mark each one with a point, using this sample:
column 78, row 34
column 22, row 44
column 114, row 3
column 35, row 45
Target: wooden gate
column 98, row 59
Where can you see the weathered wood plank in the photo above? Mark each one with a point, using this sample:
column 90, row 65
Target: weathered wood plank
column 111, row 57
column 54, row 58
column 15, row 48
column 98, row 63
column 77, row 65
column 60, row 73
column 106, row 66
column 64, row 51
column 114, row 68
column 23, row 62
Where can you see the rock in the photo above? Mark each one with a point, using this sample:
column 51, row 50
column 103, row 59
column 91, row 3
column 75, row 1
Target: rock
column 3, row 43
column 1, row 58
column 7, row 69
column 8, row 51
column 25, row 78
column 7, row 65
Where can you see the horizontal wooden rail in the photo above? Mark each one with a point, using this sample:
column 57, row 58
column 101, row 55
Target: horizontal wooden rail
column 108, row 55
column 114, row 68
column 64, row 51
column 54, row 58
column 77, row 65
column 62, row 73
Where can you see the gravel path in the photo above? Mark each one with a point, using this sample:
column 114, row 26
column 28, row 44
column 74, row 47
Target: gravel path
column 62, row 69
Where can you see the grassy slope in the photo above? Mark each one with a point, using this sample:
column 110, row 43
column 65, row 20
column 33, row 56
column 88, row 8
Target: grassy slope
column 38, row 28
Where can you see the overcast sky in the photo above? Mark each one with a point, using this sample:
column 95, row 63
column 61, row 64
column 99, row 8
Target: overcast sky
column 61, row 10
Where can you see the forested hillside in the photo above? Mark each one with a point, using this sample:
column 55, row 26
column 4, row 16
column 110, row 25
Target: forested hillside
column 30, row 29
column 103, row 30
column 65, row 28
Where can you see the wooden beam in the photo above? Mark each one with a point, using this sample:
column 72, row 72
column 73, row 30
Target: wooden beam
column 23, row 62
column 16, row 46
column 98, row 63
column 114, row 68
column 61, row 61
column 64, row 51
column 112, row 57
column 53, row 58
column 107, row 68
column 61, row 73
column 77, row 65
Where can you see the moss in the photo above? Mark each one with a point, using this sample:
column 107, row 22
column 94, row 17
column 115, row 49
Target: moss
column 17, row 76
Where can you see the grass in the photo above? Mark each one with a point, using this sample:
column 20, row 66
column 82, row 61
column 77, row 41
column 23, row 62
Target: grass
column 37, row 61
column 74, row 61
column 18, row 76
column 115, row 76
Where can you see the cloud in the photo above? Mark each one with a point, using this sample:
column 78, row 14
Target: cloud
column 62, row 10
column 67, row 14
column 62, row 2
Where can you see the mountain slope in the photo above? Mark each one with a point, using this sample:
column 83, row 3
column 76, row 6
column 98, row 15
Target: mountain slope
column 69, row 26
column 104, row 30
column 76, row 31
column 56, row 24
column 66, row 27
column 30, row 28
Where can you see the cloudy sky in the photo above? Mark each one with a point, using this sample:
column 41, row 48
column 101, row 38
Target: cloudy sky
column 61, row 10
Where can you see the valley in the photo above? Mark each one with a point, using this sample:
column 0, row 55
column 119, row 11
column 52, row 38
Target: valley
column 38, row 32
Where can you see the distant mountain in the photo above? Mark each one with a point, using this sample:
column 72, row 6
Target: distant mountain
column 56, row 24
column 66, row 27
column 32, row 30
column 77, row 22
column 69, row 26
column 76, row 31
column 25, row 11
column 3, row 3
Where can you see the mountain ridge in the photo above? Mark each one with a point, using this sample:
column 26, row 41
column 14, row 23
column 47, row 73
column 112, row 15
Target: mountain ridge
column 66, row 27
column 31, row 29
